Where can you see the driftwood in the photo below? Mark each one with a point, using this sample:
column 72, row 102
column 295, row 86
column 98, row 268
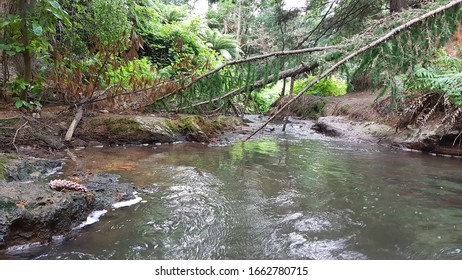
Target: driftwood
column 75, row 122
column 354, row 54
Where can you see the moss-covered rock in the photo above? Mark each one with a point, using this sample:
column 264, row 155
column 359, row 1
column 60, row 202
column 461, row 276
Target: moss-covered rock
column 193, row 128
column 5, row 160
column 127, row 129
column 152, row 129
column 202, row 129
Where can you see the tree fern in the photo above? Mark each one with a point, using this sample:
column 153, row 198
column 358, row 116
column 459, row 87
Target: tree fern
column 169, row 13
column 225, row 44
column 444, row 76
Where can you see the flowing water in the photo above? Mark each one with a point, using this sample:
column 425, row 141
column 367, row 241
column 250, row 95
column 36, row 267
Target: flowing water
column 273, row 198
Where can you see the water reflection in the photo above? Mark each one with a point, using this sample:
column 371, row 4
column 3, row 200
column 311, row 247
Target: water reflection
column 274, row 199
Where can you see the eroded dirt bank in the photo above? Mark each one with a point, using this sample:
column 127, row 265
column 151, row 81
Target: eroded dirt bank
column 362, row 116
column 42, row 134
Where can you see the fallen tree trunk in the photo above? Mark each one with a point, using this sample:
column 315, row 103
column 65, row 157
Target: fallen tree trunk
column 354, row 54
column 245, row 60
column 260, row 83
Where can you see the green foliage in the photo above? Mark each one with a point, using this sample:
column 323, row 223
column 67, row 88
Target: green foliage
column 134, row 70
column 217, row 18
column 169, row 13
column 396, row 55
column 41, row 21
column 109, row 21
column 19, row 85
column 225, row 44
column 264, row 98
column 330, row 86
column 443, row 76
column 171, row 43
column 414, row 46
column 10, row 43
column 95, row 23
column 99, row 51
column 29, row 31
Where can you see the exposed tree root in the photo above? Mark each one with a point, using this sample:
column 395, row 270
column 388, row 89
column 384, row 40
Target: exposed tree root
column 431, row 106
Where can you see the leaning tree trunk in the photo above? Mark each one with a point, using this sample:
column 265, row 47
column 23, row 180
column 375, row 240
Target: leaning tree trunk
column 260, row 83
column 354, row 54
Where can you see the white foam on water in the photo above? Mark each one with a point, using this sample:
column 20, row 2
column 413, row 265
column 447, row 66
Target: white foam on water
column 92, row 218
column 127, row 202
column 24, row 247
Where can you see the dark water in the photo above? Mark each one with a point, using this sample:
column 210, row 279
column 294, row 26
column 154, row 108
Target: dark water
column 274, row 199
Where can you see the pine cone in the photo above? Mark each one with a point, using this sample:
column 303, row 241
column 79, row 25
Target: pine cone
column 60, row 185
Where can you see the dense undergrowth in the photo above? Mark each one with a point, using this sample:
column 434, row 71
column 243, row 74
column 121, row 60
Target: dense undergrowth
column 154, row 55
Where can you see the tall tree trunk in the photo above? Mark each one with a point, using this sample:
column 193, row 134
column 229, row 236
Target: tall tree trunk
column 22, row 6
column 292, row 83
column 5, row 76
column 397, row 5
column 239, row 21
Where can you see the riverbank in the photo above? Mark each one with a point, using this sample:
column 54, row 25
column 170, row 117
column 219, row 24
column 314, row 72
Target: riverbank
column 33, row 149
column 361, row 116
column 356, row 116
column 41, row 134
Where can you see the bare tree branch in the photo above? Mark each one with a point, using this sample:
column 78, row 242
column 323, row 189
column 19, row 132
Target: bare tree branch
column 16, row 134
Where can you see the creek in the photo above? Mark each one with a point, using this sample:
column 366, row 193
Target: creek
column 273, row 198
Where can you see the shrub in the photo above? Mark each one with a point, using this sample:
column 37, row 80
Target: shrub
column 330, row 86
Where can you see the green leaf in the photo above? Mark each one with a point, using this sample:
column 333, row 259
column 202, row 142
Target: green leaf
column 19, row 103
column 37, row 29
column 55, row 5
column 4, row 47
